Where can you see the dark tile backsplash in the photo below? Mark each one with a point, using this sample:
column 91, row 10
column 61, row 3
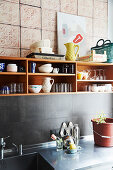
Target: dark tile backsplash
column 29, row 119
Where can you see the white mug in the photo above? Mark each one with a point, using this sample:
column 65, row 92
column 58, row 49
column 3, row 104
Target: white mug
column 56, row 70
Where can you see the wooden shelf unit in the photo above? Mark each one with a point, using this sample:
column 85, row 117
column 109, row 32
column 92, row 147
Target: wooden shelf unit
column 28, row 78
column 108, row 71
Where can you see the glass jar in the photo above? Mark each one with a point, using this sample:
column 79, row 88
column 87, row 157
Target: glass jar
column 65, row 68
column 76, row 134
column 59, row 144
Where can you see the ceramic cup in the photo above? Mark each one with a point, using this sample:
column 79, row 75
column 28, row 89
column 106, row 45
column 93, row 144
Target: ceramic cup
column 12, row 67
column 56, row 70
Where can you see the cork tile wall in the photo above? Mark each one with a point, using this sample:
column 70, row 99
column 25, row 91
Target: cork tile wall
column 23, row 22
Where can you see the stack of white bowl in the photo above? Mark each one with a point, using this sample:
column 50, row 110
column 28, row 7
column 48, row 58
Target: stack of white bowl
column 42, row 46
column 45, row 68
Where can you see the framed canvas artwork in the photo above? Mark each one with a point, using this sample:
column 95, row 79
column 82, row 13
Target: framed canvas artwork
column 71, row 28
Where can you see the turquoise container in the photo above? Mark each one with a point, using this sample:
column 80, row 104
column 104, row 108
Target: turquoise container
column 105, row 46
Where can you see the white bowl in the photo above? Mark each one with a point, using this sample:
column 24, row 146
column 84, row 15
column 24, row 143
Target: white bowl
column 35, row 88
column 46, row 65
column 45, row 69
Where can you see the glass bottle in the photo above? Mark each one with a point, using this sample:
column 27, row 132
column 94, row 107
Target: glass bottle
column 76, row 134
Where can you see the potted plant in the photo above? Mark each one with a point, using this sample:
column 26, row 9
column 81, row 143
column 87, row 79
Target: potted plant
column 103, row 130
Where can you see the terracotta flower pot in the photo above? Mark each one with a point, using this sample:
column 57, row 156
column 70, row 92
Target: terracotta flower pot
column 103, row 132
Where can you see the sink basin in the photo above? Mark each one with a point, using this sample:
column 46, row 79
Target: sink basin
column 24, row 162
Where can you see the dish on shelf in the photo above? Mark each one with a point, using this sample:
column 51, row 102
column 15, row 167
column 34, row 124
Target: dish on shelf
column 35, row 88
column 45, row 69
column 46, row 65
column 12, row 68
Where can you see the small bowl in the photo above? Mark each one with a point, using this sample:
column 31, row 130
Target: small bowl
column 45, row 69
column 34, row 86
column 2, row 67
column 35, row 89
column 46, row 65
column 71, row 151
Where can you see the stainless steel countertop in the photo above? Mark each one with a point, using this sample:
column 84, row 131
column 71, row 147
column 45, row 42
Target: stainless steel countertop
column 90, row 156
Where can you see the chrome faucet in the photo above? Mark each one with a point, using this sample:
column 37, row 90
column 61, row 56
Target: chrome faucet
column 2, row 146
column 15, row 146
column 18, row 149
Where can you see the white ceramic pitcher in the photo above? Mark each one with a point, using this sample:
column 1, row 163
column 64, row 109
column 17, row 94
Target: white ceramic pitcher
column 47, row 84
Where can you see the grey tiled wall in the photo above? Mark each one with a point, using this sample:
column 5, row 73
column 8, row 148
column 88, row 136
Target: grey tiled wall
column 28, row 119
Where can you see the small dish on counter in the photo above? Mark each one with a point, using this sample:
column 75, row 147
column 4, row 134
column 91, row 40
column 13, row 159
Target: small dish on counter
column 35, row 88
column 71, row 151
column 74, row 150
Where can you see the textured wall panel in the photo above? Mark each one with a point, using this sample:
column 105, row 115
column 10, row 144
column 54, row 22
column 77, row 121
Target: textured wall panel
column 31, row 118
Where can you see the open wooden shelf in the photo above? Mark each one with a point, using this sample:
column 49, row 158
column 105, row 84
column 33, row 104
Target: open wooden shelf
column 101, row 81
column 79, row 63
column 88, row 92
column 55, row 93
column 16, row 94
column 12, row 73
column 12, row 58
column 51, row 93
column 29, row 78
column 49, row 60
column 49, row 74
